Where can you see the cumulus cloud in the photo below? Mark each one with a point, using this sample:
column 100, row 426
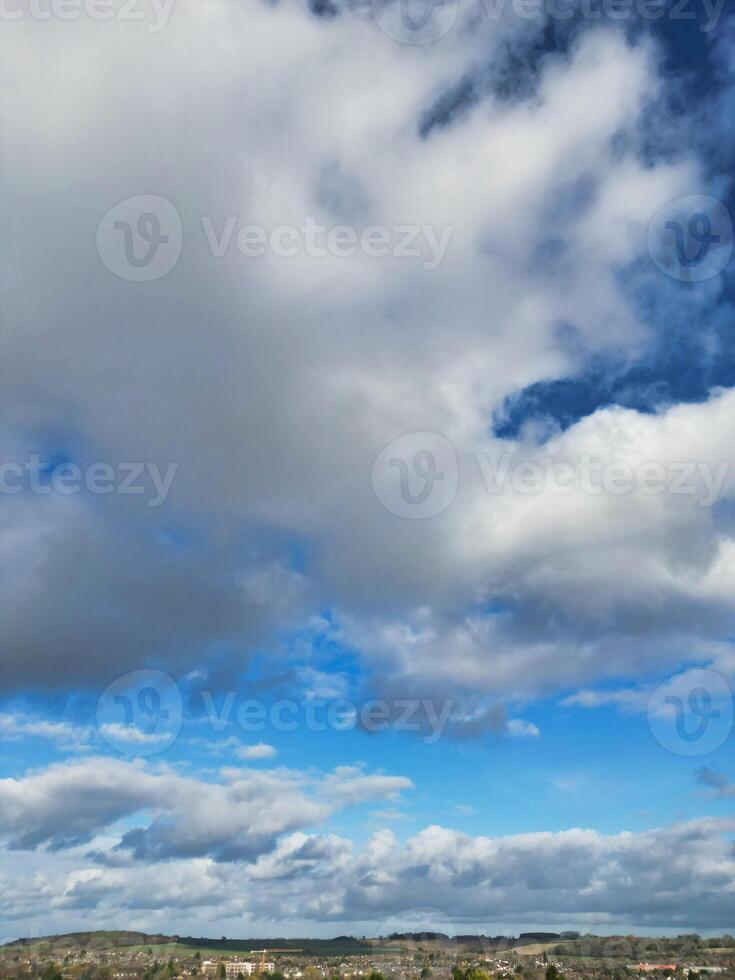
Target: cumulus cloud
column 575, row 875
column 236, row 818
column 275, row 452
column 272, row 385
column 350, row 785
column 636, row 579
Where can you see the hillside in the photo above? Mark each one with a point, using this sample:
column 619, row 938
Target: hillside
column 340, row 946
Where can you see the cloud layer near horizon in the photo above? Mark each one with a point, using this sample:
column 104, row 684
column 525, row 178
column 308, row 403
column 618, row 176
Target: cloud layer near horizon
column 236, row 848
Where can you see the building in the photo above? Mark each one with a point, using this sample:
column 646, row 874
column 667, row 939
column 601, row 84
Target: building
column 246, row 967
column 235, row 967
column 648, row 967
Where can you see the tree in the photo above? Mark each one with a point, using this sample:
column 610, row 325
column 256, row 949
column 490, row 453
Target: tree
column 51, row 972
column 469, row 973
column 552, row 973
column 221, row 971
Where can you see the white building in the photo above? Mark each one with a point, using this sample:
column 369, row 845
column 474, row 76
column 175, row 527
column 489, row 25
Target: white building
column 246, row 967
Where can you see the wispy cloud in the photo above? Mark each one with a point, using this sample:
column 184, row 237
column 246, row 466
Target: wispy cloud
column 66, row 736
column 717, row 782
column 260, row 751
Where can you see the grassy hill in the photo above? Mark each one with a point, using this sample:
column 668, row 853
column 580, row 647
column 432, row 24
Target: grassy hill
column 340, row 946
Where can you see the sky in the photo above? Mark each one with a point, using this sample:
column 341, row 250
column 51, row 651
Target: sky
column 367, row 499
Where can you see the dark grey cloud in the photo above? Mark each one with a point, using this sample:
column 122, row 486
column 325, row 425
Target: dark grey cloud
column 275, row 384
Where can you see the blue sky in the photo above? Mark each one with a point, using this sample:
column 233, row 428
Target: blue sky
column 445, row 485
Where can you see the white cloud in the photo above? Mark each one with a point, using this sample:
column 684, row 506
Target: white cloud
column 610, row 881
column 351, row 785
column 260, row 751
column 279, row 446
column 274, row 385
column 235, row 818
column 65, row 735
column 464, row 809
column 117, row 732
column 521, row 728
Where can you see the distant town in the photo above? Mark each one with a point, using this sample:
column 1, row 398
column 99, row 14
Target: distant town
column 404, row 956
